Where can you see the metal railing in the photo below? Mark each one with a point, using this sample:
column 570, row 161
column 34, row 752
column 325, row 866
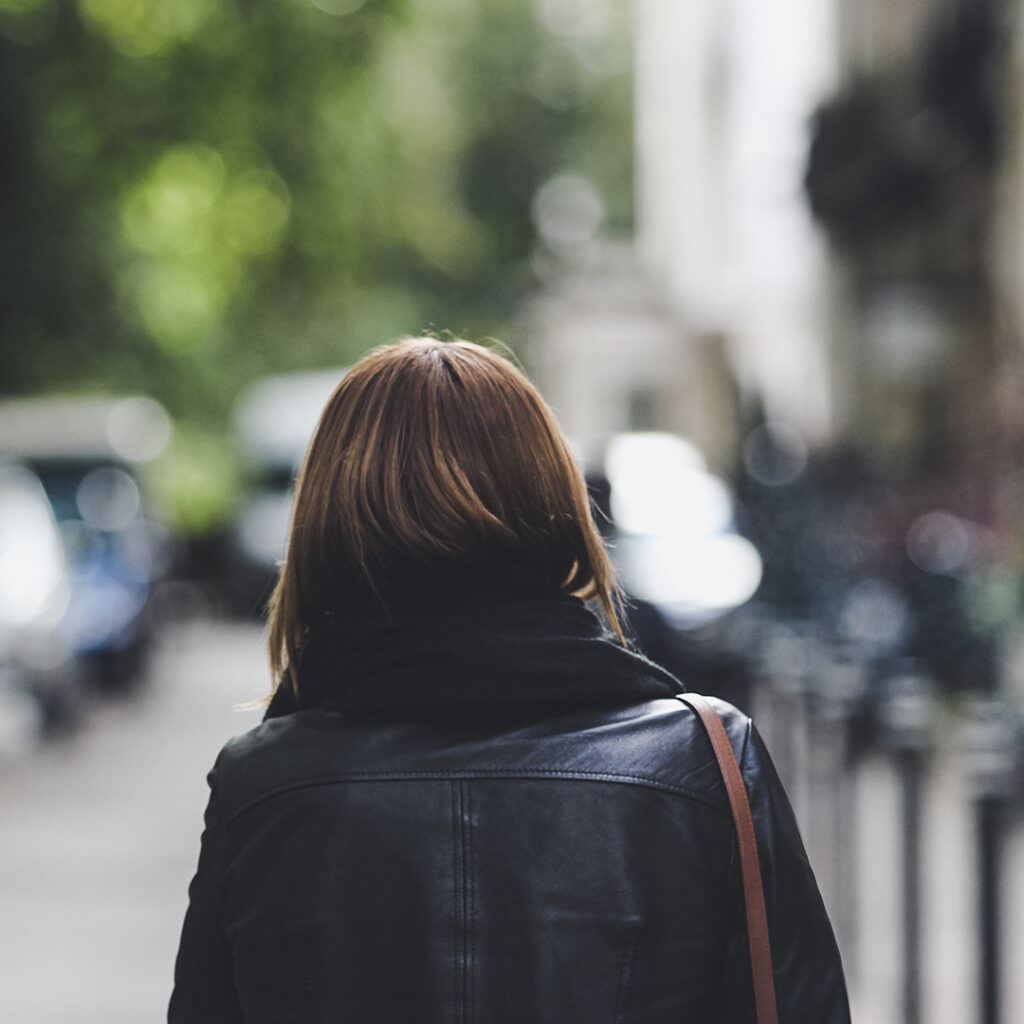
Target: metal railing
column 908, row 800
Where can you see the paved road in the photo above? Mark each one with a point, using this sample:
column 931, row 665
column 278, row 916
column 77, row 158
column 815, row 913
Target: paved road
column 100, row 836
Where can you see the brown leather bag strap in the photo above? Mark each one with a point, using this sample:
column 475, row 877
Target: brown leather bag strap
column 750, row 862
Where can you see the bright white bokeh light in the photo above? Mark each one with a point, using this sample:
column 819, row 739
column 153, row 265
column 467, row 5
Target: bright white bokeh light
column 692, row 504
column 33, row 585
column 691, row 577
column 673, row 520
column 655, row 449
column 659, row 486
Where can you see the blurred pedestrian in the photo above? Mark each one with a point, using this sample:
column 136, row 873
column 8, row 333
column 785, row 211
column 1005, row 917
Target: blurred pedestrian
column 470, row 798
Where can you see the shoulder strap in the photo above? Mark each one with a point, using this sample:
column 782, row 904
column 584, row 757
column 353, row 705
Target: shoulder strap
column 750, row 863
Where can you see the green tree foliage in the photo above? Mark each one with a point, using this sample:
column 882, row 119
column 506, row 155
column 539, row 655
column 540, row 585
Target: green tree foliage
column 197, row 192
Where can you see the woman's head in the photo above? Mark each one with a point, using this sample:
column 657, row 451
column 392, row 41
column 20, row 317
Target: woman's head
column 432, row 453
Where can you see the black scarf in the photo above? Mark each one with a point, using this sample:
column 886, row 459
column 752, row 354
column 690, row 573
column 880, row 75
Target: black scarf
column 462, row 647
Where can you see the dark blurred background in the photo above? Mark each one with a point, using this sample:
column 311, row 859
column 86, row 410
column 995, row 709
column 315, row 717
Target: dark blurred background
column 765, row 262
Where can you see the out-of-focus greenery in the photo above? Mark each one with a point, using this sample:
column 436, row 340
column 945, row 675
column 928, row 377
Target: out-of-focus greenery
column 199, row 192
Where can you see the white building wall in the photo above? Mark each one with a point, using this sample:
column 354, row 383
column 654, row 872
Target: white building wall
column 724, row 95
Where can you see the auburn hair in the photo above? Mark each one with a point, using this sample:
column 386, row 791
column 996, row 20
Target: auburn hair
column 432, row 451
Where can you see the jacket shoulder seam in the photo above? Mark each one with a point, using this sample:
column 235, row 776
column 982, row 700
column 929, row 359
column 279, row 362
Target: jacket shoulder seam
column 476, row 773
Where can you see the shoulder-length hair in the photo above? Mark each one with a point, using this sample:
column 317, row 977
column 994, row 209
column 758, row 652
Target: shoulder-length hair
column 432, row 451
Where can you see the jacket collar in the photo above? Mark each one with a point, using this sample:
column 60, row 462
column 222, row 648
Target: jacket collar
column 487, row 646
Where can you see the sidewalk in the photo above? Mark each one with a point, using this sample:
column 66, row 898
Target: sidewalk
column 101, row 834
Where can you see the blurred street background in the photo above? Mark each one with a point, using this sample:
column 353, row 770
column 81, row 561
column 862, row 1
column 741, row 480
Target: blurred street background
column 97, row 847
column 766, row 262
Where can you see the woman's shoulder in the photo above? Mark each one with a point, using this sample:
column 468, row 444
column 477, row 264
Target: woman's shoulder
column 738, row 725
column 659, row 743
column 255, row 761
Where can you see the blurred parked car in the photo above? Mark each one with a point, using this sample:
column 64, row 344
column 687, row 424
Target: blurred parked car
column 86, row 452
column 38, row 681
column 274, row 423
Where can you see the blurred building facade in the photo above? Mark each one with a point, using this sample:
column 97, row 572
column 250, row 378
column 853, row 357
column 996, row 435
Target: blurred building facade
column 827, row 213
column 830, row 237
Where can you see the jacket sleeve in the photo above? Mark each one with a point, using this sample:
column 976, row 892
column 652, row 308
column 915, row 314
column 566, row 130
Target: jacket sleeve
column 204, row 990
column 808, row 971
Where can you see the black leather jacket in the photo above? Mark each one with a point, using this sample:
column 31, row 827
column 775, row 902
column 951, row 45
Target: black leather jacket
column 574, row 867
